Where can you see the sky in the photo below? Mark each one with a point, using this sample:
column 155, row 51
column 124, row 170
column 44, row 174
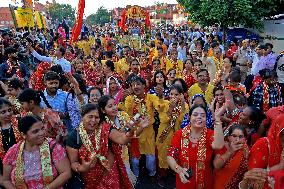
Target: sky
column 93, row 5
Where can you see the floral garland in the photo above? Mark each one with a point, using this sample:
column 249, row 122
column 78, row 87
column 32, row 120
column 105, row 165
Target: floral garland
column 218, row 62
column 122, row 118
column 17, row 134
column 16, row 66
column 217, row 78
column 93, row 77
column 45, row 159
column 15, row 103
column 143, row 108
column 90, row 147
column 266, row 96
column 175, row 114
column 36, row 81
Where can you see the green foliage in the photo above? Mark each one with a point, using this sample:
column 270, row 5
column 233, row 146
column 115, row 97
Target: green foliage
column 161, row 8
column 248, row 13
column 62, row 10
column 90, row 20
column 102, row 16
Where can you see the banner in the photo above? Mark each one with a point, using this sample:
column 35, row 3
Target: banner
column 28, row 3
column 40, row 20
column 24, row 17
column 76, row 30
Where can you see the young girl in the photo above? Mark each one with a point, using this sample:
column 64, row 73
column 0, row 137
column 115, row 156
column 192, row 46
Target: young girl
column 171, row 113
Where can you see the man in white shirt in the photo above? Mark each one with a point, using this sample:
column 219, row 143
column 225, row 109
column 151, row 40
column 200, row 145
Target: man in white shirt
column 280, row 72
column 58, row 59
column 182, row 52
column 256, row 58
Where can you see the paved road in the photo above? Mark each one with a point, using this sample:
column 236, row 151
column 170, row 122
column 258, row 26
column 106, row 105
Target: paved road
column 144, row 182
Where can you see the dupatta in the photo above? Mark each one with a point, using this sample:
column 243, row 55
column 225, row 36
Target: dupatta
column 233, row 171
column 119, row 94
column 46, row 168
column 201, row 154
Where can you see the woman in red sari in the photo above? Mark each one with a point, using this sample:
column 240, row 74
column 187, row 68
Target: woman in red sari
column 94, row 150
column 193, row 147
column 231, row 166
column 188, row 78
column 266, row 157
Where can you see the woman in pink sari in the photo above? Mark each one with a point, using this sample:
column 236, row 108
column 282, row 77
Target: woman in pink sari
column 114, row 89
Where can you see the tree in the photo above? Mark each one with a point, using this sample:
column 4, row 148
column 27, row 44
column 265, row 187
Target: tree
column 161, row 8
column 226, row 13
column 90, row 20
column 102, row 16
column 59, row 11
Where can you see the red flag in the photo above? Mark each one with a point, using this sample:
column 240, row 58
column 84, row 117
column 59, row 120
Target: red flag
column 122, row 20
column 76, row 30
column 147, row 20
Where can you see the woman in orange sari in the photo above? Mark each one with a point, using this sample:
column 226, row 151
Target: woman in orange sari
column 266, row 157
column 232, row 165
column 193, row 148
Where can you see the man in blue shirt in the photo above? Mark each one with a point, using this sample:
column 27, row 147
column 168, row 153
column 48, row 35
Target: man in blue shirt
column 59, row 59
column 55, row 98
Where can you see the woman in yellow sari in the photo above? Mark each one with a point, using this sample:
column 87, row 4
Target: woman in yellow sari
column 171, row 113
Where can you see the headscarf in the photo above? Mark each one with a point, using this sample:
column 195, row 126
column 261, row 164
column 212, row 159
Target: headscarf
column 119, row 94
column 209, row 116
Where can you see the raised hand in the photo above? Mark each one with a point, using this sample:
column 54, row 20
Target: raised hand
column 235, row 146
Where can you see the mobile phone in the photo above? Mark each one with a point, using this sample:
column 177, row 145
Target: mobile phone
column 190, row 173
column 135, row 118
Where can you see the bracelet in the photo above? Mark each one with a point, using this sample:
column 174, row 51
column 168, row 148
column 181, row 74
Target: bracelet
column 218, row 122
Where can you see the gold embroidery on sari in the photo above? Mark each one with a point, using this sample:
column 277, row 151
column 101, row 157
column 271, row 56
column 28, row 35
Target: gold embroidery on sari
column 201, row 154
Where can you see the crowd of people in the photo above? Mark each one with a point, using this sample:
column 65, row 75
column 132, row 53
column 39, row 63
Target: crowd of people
column 100, row 114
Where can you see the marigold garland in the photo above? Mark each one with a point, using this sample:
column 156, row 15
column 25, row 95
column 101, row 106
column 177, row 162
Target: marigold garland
column 266, row 96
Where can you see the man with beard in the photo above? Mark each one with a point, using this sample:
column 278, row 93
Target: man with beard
column 54, row 98
column 139, row 103
column 12, row 68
